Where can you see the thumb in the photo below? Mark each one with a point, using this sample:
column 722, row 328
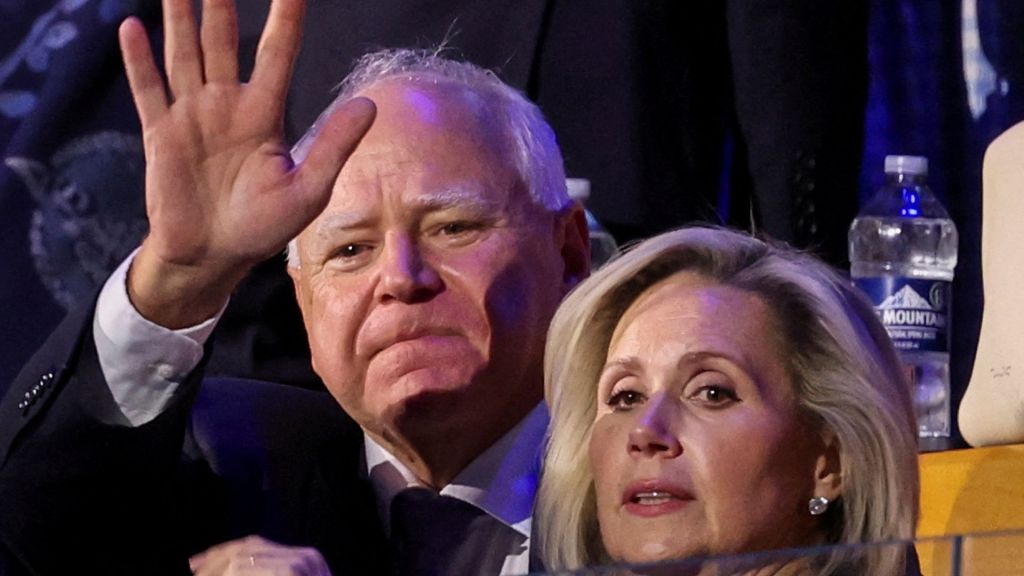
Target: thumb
column 337, row 137
column 195, row 563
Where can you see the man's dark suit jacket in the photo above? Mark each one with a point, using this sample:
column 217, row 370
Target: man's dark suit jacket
column 81, row 493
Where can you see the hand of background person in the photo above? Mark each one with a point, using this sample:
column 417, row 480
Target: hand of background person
column 255, row 555
column 222, row 192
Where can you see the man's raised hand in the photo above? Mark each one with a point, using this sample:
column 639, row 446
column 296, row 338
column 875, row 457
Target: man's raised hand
column 222, row 192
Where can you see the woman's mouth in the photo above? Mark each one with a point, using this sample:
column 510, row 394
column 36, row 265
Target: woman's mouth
column 651, row 498
column 654, row 498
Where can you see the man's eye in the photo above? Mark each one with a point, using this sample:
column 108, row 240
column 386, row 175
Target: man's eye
column 625, row 400
column 457, row 228
column 351, row 250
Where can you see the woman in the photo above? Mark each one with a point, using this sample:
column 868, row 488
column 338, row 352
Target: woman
column 734, row 396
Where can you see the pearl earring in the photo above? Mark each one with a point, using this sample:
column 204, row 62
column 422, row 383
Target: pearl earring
column 817, row 505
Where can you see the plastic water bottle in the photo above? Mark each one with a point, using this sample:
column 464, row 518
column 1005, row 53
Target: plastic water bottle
column 602, row 243
column 903, row 249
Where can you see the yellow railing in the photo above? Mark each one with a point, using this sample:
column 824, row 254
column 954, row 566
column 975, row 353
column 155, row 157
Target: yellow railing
column 973, row 491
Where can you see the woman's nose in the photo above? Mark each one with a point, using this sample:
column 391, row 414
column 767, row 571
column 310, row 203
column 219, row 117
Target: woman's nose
column 653, row 435
column 406, row 275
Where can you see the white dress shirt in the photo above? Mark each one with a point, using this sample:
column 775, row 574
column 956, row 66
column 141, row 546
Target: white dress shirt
column 144, row 364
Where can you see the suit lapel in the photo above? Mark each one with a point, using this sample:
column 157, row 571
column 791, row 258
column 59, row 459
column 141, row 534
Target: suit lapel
column 351, row 534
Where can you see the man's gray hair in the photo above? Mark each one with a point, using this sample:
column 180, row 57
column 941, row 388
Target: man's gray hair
column 537, row 160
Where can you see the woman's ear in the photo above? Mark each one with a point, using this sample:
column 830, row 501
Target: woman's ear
column 828, row 471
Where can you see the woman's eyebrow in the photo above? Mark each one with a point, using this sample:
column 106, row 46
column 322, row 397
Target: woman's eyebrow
column 699, row 355
column 630, row 362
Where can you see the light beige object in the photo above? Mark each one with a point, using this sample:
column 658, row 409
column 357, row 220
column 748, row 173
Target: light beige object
column 992, row 411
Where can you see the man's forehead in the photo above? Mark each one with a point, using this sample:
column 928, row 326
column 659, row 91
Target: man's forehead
column 351, row 210
column 430, row 104
column 421, row 158
column 415, row 179
column 417, row 124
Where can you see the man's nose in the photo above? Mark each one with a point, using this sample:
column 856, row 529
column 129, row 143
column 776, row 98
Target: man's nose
column 653, row 435
column 406, row 275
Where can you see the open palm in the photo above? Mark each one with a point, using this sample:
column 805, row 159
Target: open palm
column 222, row 193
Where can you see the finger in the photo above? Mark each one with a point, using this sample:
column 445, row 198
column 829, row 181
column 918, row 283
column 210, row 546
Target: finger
column 281, row 561
column 196, row 563
column 278, row 48
column 315, row 564
column 213, row 565
column 299, row 560
column 337, row 138
column 144, row 79
column 181, row 48
column 214, row 560
column 219, row 34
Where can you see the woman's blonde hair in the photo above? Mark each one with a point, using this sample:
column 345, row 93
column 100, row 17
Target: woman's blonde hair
column 843, row 367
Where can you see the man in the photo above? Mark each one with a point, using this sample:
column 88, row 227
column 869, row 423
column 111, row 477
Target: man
column 427, row 269
column 660, row 83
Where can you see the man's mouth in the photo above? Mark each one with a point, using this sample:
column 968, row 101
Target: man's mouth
column 375, row 346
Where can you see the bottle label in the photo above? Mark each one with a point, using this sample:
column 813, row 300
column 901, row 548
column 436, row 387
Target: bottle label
column 915, row 312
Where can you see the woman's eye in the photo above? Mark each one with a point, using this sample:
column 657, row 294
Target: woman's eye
column 625, row 400
column 716, row 395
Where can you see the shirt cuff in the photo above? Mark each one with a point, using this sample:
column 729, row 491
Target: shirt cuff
column 142, row 362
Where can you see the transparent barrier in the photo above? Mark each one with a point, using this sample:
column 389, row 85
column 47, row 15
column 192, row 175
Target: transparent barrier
column 988, row 554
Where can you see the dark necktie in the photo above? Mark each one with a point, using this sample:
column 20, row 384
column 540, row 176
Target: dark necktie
column 434, row 535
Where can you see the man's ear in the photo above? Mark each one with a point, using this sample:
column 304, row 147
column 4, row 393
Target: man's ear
column 575, row 245
column 295, row 273
column 828, row 470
